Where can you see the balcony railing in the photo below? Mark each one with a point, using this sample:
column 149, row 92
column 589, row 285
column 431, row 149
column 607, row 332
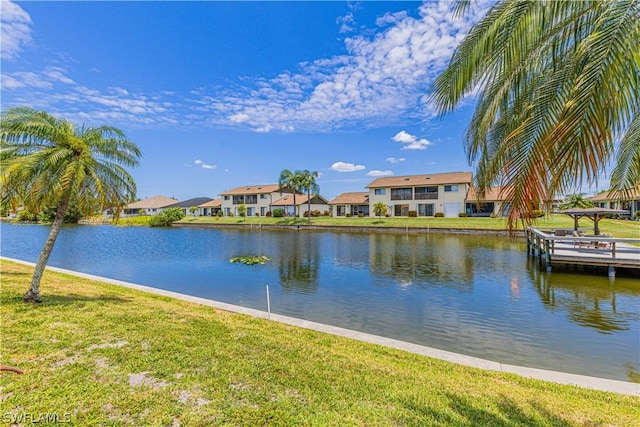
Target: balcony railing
column 426, row 196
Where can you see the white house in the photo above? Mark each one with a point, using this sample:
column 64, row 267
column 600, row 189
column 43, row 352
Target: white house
column 630, row 202
column 257, row 199
column 318, row 203
column 151, row 206
column 424, row 194
column 351, row 203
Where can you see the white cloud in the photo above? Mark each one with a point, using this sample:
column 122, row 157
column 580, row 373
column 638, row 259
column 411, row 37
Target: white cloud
column 394, row 160
column 420, row 144
column 239, row 118
column 346, row 23
column 15, row 29
column 379, row 173
column 203, row 165
column 346, row 167
column 411, row 142
column 404, row 137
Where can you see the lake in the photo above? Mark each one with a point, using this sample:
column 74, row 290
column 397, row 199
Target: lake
column 476, row 295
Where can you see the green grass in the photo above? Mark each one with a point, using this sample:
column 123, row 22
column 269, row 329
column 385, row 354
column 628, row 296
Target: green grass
column 107, row 355
column 618, row 228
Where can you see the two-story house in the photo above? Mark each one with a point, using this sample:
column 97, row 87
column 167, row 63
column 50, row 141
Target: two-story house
column 257, row 199
column 425, row 194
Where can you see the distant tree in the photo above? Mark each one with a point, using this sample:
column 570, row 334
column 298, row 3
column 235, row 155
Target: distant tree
column 380, row 208
column 290, row 181
column 49, row 161
column 575, row 201
column 309, row 184
column 242, row 211
column 193, row 210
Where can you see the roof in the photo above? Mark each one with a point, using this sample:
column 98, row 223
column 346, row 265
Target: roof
column 301, row 199
column 154, row 202
column 492, row 194
column 354, row 198
column 415, row 180
column 254, row 189
column 609, row 195
column 215, row 203
column 593, row 211
column 191, row 202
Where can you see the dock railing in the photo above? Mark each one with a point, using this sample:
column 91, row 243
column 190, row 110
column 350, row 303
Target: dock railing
column 600, row 250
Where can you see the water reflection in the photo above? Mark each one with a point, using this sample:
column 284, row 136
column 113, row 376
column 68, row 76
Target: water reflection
column 298, row 263
column 592, row 303
column 422, row 261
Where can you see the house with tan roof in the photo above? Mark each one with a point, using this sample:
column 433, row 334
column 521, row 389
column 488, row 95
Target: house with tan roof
column 629, row 202
column 318, row 203
column 150, row 206
column 210, row 208
column 493, row 202
column 257, row 199
column 424, row 194
column 351, row 203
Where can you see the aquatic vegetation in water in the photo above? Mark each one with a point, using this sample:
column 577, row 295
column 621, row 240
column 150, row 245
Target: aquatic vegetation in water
column 251, row 260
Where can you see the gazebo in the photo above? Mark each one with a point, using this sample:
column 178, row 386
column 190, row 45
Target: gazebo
column 594, row 214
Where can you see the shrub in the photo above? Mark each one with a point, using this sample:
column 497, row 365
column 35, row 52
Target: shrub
column 387, row 215
column 278, row 213
column 348, row 215
column 413, row 214
column 268, row 213
column 463, row 215
column 257, row 214
column 27, row 215
column 360, row 215
column 166, row 217
column 492, row 215
column 220, row 214
column 327, row 213
column 173, row 214
column 439, row 215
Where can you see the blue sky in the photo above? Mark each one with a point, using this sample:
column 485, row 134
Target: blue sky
column 223, row 94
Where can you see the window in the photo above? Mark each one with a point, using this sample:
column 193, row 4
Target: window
column 425, row 209
column 226, row 197
column 263, row 196
column 426, row 193
column 451, row 188
column 379, row 191
column 401, row 210
column 251, row 199
column 401, row 194
column 238, row 200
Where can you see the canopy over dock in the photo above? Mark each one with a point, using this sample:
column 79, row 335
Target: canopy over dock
column 594, row 214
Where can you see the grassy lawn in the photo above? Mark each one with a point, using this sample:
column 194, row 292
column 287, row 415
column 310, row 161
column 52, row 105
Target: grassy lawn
column 106, row 355
column 618, row 228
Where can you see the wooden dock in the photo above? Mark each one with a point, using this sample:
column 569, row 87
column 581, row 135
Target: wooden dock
column 597, row 251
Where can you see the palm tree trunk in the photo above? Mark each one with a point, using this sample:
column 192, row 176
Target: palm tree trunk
column 33, row 294
column 295, row 215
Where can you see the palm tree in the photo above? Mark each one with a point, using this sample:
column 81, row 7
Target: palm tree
column 290, row 181
column 309, row 184
column 559, row 96
column 575, row 201
column 51, row 162
column 380, row 208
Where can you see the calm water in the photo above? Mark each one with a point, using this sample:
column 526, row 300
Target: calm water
column 478, row 296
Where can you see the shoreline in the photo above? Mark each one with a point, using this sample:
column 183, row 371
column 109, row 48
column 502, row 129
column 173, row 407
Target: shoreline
column 595, row 383
column 359, row 229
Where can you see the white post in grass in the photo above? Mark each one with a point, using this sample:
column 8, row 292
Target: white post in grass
column 268, row 304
